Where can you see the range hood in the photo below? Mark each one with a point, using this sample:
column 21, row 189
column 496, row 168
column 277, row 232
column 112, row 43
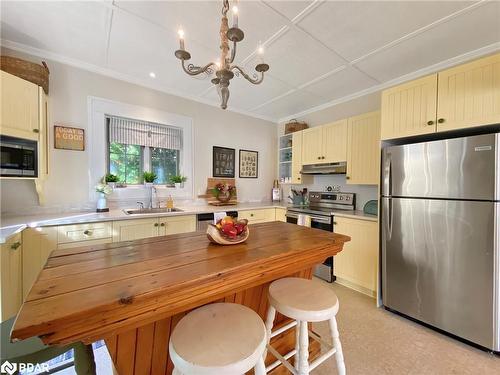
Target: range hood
column 326, row 168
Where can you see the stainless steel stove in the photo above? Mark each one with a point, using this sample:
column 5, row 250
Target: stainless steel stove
column 321, row 208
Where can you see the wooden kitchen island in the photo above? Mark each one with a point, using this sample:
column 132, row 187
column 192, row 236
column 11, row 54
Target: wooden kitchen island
column 132, row 294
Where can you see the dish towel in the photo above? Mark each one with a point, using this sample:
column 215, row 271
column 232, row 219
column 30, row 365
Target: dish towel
column 304, row 220
column 218, row 216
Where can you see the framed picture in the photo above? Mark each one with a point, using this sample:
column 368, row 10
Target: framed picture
column 249, row 164
column 223, row 162
column 66, row 138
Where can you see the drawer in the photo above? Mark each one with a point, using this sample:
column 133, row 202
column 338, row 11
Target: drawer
column 70, row 245
column 84, row 232
column 258, row 215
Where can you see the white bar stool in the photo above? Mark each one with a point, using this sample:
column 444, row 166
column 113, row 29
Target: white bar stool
column 305, row 301
column 219, row 339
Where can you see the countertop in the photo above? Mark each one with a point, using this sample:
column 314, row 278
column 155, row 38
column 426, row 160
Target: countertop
column 87, row 293
column 15, row 224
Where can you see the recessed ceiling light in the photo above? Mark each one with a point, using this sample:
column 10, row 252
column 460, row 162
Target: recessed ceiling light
column 152, row 75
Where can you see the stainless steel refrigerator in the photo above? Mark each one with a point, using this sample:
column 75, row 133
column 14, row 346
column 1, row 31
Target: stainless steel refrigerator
column 440, row 235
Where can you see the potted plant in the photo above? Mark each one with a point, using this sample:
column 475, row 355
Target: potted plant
column 102, row 190
column 178, row 181
column 111, row 180
column 224, row 192
column 149, row 178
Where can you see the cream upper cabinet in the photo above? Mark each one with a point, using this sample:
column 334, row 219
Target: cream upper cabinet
column 357, row 264
column 11, row 291
column 363, row 149
column 296, row 157
column 38, row 243
column 297, row 145
column 469, row 94
column 129, row 230
column 43, row 146
column 410, row 109
column 334, row 148
column 19, row 107
column 312, row 145
column 325, row 144
column 177, row 224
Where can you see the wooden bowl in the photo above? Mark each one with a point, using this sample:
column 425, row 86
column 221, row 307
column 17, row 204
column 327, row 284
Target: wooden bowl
column 216, row 236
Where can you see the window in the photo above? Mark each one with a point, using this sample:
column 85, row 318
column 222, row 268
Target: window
column 137, row 146
column 126, row 162
column 165, row 163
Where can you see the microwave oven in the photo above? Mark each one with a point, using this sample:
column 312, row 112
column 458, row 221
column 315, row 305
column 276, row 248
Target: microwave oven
column 19, row 157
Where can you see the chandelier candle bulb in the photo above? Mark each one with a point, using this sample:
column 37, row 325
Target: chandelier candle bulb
column 181, row 38
column 235, row 16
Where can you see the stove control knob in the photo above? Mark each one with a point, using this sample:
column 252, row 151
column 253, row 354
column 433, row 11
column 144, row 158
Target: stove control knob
column 341, row 198
column 347, row 198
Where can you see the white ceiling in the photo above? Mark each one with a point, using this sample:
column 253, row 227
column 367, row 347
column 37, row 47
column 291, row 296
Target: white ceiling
column 320, row 52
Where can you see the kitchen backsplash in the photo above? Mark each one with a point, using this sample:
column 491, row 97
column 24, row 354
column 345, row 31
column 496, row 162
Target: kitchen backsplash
column 364, row 193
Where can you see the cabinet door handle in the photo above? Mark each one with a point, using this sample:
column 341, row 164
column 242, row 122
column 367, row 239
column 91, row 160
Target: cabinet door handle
column 251, row 215
column 334, row 223
column 430, row 122
column 162, row 224
column 298, row 178
column 440, row 121
column 87, row 232
column 347, row 177
column 156, row 224
column 15, row 245
column 36, row 131
column 322, row 157
column 319, row 157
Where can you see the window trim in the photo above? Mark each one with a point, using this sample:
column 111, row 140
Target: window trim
column 97, row 141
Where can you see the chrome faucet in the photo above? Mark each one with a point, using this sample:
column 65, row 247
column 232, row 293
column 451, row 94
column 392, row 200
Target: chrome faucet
column 153, row 190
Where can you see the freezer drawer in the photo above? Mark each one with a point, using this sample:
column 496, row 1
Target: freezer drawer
column 459, row 168
column 438, row 264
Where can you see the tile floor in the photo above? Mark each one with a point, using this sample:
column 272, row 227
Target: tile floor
column 376, row 341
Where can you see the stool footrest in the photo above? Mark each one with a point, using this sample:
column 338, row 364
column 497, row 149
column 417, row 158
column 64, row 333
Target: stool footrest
column 286, row 327
column 276, row 363
column 282, row 359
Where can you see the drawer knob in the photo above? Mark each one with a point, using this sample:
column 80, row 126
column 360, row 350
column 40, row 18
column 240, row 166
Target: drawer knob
column 251, row 215
column 15, row 245
column 347, row 177
column 156, row 224
column 36, row 131
column 162, row 224
column 440, row 121
column 430, row 122
column 87, row 232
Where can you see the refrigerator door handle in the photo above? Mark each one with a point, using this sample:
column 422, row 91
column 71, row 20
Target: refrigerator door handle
column 387, row 175
column 387, row 207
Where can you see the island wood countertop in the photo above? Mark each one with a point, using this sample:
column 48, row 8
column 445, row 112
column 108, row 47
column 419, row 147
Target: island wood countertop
column 105, row 291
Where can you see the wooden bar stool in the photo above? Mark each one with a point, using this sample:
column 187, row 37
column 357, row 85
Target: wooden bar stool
column 219, row 339
column 304, row 301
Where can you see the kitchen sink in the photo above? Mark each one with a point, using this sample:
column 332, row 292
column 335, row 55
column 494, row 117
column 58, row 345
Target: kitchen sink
column 144, row 211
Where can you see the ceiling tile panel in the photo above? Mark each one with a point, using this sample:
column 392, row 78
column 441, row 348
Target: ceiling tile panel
column 290, row 9
column 76, row 30
column 294, row 103
column 355, row 28
column 138, row 47
column 340, row 84
column 462, row 34
column 201, row 22
column 296, row 58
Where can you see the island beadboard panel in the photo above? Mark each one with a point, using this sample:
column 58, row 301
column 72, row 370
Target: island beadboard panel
column 127, row 292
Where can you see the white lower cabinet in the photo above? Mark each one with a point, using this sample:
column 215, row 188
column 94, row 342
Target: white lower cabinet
column 38, row 243
column 11, row 291
column 356, row 266
column 261, row 215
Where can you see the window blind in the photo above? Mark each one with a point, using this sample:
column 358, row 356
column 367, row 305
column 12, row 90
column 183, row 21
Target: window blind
column 136, row 132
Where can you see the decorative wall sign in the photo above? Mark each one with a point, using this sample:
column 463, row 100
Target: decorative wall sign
column 66, row 138
column 223, row 163
column 249, row 164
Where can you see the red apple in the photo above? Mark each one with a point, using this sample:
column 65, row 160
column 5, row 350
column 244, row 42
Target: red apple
column 240, row 227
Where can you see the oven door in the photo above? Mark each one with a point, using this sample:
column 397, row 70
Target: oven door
column 325, row 270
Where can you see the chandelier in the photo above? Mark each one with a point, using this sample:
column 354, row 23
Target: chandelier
column 224, row 69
